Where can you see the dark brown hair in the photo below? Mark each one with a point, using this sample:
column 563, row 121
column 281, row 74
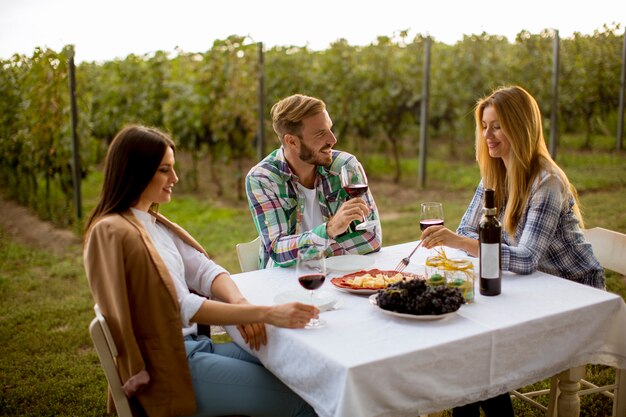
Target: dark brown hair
column 131, row 162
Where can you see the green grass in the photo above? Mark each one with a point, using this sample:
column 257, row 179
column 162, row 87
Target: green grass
column 47, row 363
column 47, row 366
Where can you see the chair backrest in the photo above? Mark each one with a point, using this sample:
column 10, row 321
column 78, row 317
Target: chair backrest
column 248, row 255
column 609, row 247
column 105, row 347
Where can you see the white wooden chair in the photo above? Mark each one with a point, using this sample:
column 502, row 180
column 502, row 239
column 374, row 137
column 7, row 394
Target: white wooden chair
column 609, row 247
column 248, row 255
column 107, row 352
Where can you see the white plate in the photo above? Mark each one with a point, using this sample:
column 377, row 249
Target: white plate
column 324, row 300
column 339, row 281
column 427, row 317
column 358, row 291
column 349, row 263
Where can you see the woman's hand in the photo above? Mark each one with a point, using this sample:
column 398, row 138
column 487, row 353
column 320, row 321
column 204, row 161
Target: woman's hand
column 136, row 383
column 253, row 334
column 439, row 235
column 253, row 317
column 292, row 315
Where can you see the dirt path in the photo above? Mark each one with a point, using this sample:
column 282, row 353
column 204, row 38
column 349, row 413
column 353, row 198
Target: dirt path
column 24, row 225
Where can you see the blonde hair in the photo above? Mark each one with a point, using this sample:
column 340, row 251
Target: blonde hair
column 520, row 120
column 288, row 113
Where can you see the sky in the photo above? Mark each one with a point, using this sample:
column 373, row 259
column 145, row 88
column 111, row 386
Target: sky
column 103, row 30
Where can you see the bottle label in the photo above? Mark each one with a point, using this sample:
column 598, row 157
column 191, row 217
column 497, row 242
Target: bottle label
column 489, row 260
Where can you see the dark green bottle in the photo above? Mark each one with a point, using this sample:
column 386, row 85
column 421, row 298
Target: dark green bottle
column 489, row 238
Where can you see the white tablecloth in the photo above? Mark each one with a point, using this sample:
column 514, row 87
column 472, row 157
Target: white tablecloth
column 367, row 363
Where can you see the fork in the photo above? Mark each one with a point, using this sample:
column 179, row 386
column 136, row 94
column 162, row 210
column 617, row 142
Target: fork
column 405, row 261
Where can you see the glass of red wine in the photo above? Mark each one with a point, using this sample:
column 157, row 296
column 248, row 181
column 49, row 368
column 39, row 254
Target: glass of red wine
column 311, row 273
column 354, row 181
column 431, row 214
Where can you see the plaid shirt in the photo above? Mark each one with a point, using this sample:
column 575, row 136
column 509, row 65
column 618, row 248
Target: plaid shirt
column 277, row 209
column 548, row 237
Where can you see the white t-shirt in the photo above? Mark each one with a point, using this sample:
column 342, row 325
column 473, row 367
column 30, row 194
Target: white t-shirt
column 188, row 268
column 312, row 214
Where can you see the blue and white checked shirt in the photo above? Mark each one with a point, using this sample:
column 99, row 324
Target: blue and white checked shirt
column 277, row 209
column 548, row 237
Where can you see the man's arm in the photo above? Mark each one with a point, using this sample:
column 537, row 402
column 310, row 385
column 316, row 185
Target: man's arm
column 273, row 204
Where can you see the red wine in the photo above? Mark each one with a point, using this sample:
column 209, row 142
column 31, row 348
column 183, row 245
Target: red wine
column 489, row 235
column 312, row 281
column 424, row 224
column 355, row 190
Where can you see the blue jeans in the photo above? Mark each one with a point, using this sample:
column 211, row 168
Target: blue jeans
column 227, row 380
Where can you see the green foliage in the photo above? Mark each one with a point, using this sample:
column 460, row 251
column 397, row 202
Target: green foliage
column 211, row 106
column 209, row 101
column 35, row 141
column 588, row 91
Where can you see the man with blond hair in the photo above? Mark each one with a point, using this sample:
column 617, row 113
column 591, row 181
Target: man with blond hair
column 295, row 193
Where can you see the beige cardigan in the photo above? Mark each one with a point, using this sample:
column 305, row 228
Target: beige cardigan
column 135, row 292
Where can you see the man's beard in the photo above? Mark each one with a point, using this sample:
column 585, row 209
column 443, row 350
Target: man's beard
column 310, row 157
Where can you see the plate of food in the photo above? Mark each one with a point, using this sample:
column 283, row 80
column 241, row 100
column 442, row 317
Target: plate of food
column 416, row 300
column 349, row 263
column 367, row 282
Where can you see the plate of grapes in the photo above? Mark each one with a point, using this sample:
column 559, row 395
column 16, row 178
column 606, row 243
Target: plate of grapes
column 417, row 300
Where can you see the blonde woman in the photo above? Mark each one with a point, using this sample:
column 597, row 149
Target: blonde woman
column 537, row 205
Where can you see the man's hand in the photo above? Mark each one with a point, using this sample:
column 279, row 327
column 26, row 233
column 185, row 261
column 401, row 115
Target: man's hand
column 351, row 210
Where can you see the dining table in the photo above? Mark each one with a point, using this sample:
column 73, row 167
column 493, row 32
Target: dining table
column 367, row 362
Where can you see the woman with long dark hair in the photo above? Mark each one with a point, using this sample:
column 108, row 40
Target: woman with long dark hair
column 154, row 284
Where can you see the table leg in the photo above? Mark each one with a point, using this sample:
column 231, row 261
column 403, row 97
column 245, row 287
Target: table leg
column 619, row 400
column 568, row 402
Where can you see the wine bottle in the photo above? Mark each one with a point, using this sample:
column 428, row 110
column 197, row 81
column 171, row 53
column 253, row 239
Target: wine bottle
column 489, row 236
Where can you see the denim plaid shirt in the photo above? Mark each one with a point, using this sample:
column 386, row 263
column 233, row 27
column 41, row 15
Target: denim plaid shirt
column 548, row 236
column 277, row 209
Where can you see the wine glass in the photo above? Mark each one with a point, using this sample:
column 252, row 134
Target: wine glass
column 354, row 181
column 431, row 214
column 311, row 273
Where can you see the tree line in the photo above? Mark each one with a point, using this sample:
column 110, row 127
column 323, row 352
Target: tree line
column 209, row 101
